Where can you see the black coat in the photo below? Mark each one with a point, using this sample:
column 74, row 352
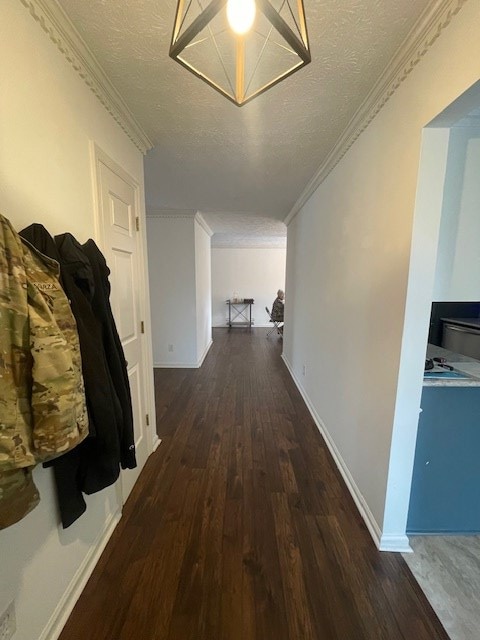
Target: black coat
column 95, row 463
column 113, row 349
column 101, row 459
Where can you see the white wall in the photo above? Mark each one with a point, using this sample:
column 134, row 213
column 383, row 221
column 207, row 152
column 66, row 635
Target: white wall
column 203, row 280
column 458, row 261
column 48, row 117
column 347, row 273
column 253, row 273
column 428, row 210
column 171, row 257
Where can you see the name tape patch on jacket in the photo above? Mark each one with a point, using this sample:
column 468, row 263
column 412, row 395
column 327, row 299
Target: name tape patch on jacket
column 45, row 286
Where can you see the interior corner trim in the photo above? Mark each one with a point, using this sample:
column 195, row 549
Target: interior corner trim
column 61, row 31
column 434, row 20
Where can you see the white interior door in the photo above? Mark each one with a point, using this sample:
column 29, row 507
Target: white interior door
column 120, row 244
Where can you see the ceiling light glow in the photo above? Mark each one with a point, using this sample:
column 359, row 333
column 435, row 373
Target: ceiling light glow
column 241, row 15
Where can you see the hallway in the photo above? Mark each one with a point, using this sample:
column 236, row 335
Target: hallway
column 240, row 526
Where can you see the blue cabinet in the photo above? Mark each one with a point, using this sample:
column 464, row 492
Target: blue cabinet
column 445, row 495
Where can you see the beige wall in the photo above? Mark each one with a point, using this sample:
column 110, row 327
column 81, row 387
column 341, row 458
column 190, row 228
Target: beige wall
column 48, row 116
column 180, row 289
column 347, row 272
column 203, row 287
column 253, row 272
column 171, row 242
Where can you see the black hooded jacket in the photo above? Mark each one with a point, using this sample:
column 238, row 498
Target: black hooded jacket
column 113, row 349
column 95, row 464
column 100, row 466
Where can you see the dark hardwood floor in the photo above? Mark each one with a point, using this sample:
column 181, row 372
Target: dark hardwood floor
column 240, row 527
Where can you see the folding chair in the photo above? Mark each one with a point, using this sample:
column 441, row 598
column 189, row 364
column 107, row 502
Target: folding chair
column 277, row 326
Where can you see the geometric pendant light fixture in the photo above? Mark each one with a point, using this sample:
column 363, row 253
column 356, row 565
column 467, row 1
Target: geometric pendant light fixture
column 241, row 48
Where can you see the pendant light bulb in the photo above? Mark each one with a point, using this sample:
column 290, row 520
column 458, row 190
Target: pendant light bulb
column 241, row 15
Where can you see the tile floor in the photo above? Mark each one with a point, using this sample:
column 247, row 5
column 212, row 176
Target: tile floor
column 448, row 570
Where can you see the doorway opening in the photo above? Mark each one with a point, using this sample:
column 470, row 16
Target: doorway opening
column 434, row 475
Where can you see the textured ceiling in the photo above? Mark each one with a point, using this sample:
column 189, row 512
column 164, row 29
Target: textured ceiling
column 245, row 230
column 212, row 156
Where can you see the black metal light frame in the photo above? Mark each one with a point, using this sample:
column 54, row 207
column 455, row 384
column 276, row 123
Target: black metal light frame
column 298, row 45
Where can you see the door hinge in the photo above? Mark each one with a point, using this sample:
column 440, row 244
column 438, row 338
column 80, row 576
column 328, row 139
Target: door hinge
column 137, row 223
column 142, row 327
column 147, row 420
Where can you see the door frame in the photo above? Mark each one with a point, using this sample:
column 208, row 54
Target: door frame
column 99, row 157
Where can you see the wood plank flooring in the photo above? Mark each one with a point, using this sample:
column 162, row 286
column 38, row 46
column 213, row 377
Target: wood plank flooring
column 240, row 527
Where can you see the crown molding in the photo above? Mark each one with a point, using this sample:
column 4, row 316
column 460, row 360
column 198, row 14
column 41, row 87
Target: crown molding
column 180, row 214
column 203, row 223
column 58, row 26
column 171, row 213
column 247, row 246
column 243, row 245
column 420, row 39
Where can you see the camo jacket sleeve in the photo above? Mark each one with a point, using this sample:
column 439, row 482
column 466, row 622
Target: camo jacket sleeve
column 16, row 443
column 42, row 400
column 59, row 414
column 18, row 493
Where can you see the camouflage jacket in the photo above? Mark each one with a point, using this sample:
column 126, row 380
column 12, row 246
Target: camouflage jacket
column 42, row 400
column 277, row 310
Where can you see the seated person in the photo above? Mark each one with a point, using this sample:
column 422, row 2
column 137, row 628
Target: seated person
column 278, row 307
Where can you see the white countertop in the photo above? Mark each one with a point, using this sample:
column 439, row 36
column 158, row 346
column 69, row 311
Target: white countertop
column 462, row 364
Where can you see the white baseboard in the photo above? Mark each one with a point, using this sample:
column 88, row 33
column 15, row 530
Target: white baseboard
column 175, row 365
column 255, row 325
column 358, row 498
column 184, row 365
column 156, row 443
column 65, row 607
column 207, row 349
column 390, row 542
